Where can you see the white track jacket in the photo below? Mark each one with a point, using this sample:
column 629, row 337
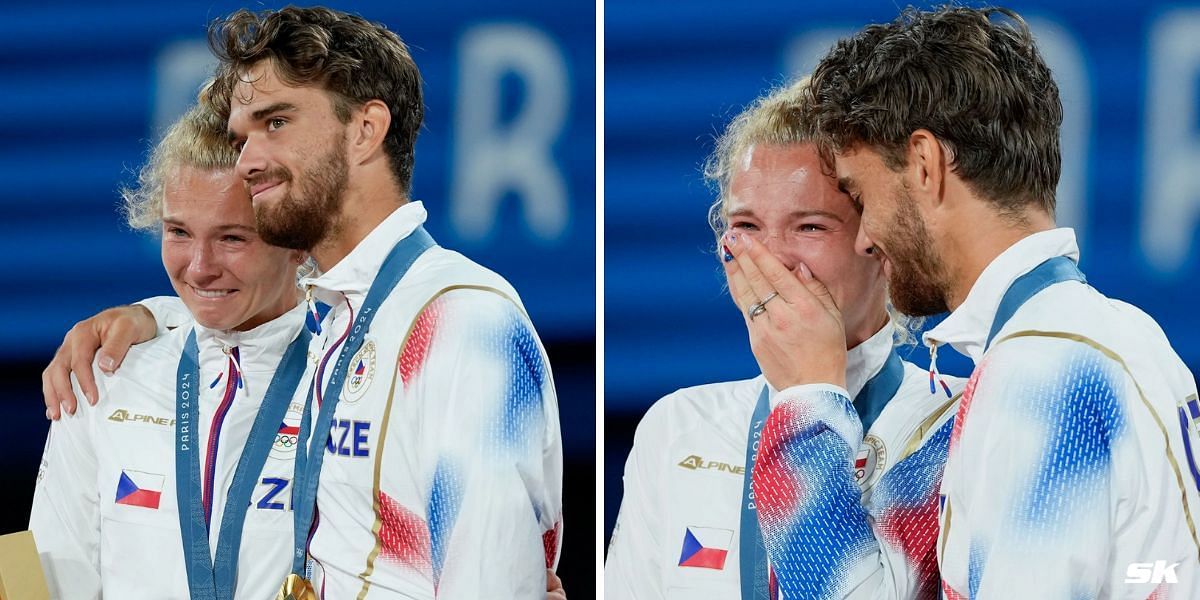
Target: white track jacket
column 684, row 487
column 1072, row 470
column 105, row 515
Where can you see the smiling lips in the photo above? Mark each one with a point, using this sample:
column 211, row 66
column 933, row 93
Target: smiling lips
column 259, row 188
column 211, row 293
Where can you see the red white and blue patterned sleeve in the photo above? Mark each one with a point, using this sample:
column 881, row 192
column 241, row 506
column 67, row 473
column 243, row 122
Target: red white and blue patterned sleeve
column 1030, row 506
column 492, row 450
column 822, row 541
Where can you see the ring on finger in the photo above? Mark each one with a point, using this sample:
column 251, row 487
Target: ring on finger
column 761, row 307
column 756, row 310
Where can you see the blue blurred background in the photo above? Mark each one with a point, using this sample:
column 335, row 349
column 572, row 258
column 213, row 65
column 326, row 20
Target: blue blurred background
column 505, row 166
column 675, row 74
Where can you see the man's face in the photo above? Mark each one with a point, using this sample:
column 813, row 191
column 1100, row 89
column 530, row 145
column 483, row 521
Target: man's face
column 228, row 277
column 293, row 157
column 779, row 195
column 893, row 226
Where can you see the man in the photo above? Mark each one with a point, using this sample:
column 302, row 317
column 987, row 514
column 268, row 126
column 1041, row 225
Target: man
column 1072, row 463
column 440, row 475
column 689, row 516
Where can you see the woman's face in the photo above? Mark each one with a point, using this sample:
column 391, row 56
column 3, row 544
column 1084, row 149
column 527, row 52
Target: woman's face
column 779, row 195
column 226, row 275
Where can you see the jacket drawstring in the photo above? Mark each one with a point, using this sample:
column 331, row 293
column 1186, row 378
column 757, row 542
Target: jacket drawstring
column 313, row 319
column 933, row 371
column 233, row 364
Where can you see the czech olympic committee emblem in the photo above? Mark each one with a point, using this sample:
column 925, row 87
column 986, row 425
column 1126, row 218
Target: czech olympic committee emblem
column 288, row 435
column 362, row 372
column 868, row 464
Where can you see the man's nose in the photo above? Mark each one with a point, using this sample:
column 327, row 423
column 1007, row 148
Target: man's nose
column 252, row 159
column 863, row 244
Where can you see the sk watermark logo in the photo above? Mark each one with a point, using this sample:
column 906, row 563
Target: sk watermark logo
column 695, row 463
column 1158, row 571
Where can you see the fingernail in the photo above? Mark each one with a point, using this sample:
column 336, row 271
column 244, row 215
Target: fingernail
column 728, row 256
column 106, row 364
column 731, row 239
column 48, row 416
column 70, row 410
column 805, row 272
column 91, row 396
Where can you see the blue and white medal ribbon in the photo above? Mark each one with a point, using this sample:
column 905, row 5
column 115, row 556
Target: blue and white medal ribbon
column 313, row 437
column 215, row 577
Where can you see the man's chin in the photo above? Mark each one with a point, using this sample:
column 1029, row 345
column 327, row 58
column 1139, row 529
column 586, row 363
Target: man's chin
column 912, row 302
column 287, row 232
column 918, row 307
column 288, row 239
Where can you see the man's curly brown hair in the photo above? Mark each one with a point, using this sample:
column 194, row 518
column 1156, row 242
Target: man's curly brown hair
column 978, row 84
column 353, row 59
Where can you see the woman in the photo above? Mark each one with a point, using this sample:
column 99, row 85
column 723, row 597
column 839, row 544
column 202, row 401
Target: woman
column 116, row 478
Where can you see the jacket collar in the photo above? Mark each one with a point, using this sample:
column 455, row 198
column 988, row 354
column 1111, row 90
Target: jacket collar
column 354, row 274
column 966, row 329
column 259, row 349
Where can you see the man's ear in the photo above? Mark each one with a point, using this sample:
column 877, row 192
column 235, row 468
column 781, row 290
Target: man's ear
column 926, row 168
column 369, row 126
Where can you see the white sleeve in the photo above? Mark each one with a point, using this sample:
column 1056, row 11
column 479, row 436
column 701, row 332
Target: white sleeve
column 169, row 312
column 491, row 440
column 633, row 568
column 65, row 518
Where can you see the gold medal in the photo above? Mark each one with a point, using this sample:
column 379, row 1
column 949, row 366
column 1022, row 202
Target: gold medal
column 296, row 587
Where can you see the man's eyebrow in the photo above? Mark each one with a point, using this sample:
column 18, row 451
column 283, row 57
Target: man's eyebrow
column 261, row 114
column 846, row 184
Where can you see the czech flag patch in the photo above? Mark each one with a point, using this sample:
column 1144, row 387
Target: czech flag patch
column 137, row 488
column 705, row 547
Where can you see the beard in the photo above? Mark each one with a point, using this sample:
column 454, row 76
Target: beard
column 918, row 284
column 309, row 214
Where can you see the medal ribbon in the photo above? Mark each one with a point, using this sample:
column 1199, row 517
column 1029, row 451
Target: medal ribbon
column 313, row 437
column 1050, row 272
column 212, row 577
